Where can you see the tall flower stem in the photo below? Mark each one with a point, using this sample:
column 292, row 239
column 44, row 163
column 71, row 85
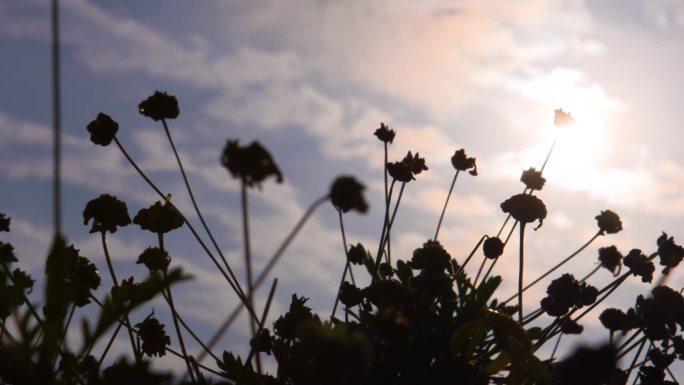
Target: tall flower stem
column 136, row 353
column 192, row 198
column 56, row 119
column 561, row 263
column 520, row 273
column 264, row 273
column 446, row 202
column 386, row 231
column 346, row 265
column 261, row 323
column 174, row 315
column 248, row 260
column 230, row 276
column 505, row 242
column 385, row 225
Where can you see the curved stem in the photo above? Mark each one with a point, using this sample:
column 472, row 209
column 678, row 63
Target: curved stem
column 136, row 353
column 491, row 267
column 174, row 315
column 194, row 202
column 520, row 273
column 248, row 260
column 260, row 278
column 441, row 216
column 346, row 266
column 591, row 273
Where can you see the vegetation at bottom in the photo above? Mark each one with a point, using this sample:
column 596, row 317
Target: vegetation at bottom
column 420, row 320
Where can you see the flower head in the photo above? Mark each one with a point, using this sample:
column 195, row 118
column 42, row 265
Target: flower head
column 493, row 247
column 7, row 253
column 670, row 253
column 357, row 254
column 346, row 193
column 431, row 258
column 83, row 274
column 405, row 170
column 461, row 162
column 569, row 326
column 615, row 319
column 297, row 318
column 153, row 336
column 587, row 366
column 107, row 212
column 154, row 259
column 159, row 106
column 609, row 222
column 159, row 218
column 384, row 133
column 611, row 259
column 533, row 179
column 252, row 163
column 525, row 208
column 562, row 118
column 102, row 130
column 639, row 264
column 4, row 222
column 262, row 342
column 350, row 295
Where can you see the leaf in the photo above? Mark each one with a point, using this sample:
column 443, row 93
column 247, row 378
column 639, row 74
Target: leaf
column 56, row 302
column 487, row 288
column 404, row 272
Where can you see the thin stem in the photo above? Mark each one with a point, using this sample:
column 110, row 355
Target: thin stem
column 555, row 347
column 174, row 315
column 103, row 236
column 346, row 266
column 192, row 198
column 260, row 278
column 56, row 119
column 520, row 273
column 109, row 344
column 548, row 155
column 391, row 223
column 386, row 231
column 505, row 242
column 234, row 283
column 477, row 246
column 248, row 259
column 592, row 272
column 385, row 224
column 561, row 263
column 636, row 357
column 441, row 217
column 262, row 322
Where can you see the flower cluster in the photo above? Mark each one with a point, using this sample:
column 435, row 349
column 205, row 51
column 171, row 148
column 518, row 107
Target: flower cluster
column 159, row 106
column 533, row 179
column 346, row 193
column 252, row 164
column 107, row 212
column 565, row 293
column 406, row 169
column 158, row 218
column 462, row 162
column 103, row 129
column 525, row 208
column 639, row 264
column 384, row 133
column 153, row 336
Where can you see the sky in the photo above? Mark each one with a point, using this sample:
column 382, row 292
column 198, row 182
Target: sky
column 311, row 80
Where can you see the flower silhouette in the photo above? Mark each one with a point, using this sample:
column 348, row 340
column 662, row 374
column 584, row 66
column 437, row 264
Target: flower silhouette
column 640, row 265
column 159, row 218
column 562, row 118
column 159, row 106
column 615, row 319
column 609, row 222
column 462, row 162
column 4, row 222
column 252, row 163
column 154, row 259
column 384, row 133
column 346, row 193
column 431, row 258
column 611, row 259
column 493, row 247
column 153, row 336
column 350, row 295
column 107, row 212
column 357, row 254
column 563, row 293
column 83, row 274
column 102, row 130
column 262, row 342
column 670, row 253
column 525, row 208
column 406, row 169
column 533, row 179
column 296, row 319
column 7, row 253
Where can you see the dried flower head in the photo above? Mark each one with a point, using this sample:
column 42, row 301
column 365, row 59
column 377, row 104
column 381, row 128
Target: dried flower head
column 159, row 106
column 159, row 218
column 107, row 212
column 350, row 295
column 296, row 319
column 384, row 133
column 153, row 336
column 4, row 222
column 102, row 130
column 611, row 259
column 615, row 319
column 569, row 326
column 609, row 222
column 562, row 118
column 639, row 264
column 7, row 253
column 252, row 163
column 154, row 259
column 670, row 253
column 406, row 170
column 533, row 179
column 431, row 258
column 83, row 274
column 357, row 254
column 462, row 162
column 262, row 342
column 346, row 193
column 493, row 247
column 525, row 208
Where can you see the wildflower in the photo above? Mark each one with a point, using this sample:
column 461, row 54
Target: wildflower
column 611, row 259
column 262, row 342
column 588, row 294
column 417, row 164
column 252, row 163
column 660, row 359
column 615, row 319
column 384, row 293
column 350, row 295
column 431, row 258
column 159, row 106
column 4, row 222
column 493, row 247
column 7, row 253
column 461, row 162
column 563, row 293
column 107, row 212
column 670, row 253
column 405, row 170
column 562, row 118
column 102, row 130
column 587, row 366
column 153, row 336
column 533, row 179
column 126, row 290
column 83, row 274
column 159, row 218
column 609, row 222
column 297, row 318
column 525, row 208
column 384, row 133
column 357, row 254
column 154, row 259
column 640, row 265
column 346, row 193
column 569, row 326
